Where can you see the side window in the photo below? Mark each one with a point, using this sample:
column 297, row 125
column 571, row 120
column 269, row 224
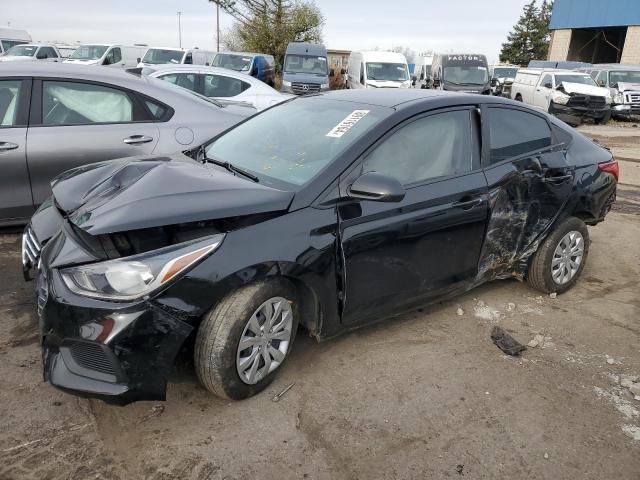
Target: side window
column 430, row 147
column 184, row 80
column 157, row 111
column 547, row 82
column 188, row 59
column 514, row 132
column 117, row 55
column 75, row 103
column 594, row 74
column 362, row 74
column 601, row 79
column 9, row 97
column 221, row 86
column 109, row 59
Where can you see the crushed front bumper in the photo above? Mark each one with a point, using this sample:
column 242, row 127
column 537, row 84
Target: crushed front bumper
column 574, row 115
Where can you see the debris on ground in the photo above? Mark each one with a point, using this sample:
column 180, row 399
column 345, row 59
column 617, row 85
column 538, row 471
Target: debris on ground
column 506, row 342
column 553, row 295
column 276, row 398
column 156, row 411
column 610, row 360
column 511, row 307
column 627, row 381
column 460, row 469
column 546, row 456
column 485, row 312
column 538, row 340
column 460, row 311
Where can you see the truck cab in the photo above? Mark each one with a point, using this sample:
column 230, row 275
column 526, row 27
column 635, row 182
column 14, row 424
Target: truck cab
column 378, row 70
column 461, row 72
column 305, row 69
column 623, row 83
column 10, row 37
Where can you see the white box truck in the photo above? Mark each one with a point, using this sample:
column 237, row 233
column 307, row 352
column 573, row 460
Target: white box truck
column 378, row 70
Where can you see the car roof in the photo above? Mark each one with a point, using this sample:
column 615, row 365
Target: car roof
column 68, row 70
column 615, row 66
column 388, row 97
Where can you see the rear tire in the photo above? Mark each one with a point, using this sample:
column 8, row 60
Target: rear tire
column 217, row 355
column 559, row 261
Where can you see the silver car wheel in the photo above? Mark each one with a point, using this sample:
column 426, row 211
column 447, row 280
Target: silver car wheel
column 567, row 258
column 265, row 340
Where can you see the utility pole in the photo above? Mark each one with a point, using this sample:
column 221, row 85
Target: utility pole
column 179, row 30
column 217, row 27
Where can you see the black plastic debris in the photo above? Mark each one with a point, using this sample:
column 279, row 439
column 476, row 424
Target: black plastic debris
column 506, row 342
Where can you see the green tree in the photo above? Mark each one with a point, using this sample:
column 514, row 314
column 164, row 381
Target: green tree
column 529, row 39
column 267, row 26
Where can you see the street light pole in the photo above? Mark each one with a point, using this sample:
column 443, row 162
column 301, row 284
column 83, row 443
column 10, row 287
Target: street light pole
column 217, row 27
column 179, row 30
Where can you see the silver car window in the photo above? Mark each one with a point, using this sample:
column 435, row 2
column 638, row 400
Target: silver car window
column 9, row 93
column 75, row 103
column 223, row 86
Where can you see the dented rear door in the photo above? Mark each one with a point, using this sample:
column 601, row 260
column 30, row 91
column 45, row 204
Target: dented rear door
column 529, row 183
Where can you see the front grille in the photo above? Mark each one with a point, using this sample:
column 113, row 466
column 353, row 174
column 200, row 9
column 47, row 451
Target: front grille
column 632, row 97
column 30, row 249
column 305, row 88
column 587, row 101
column 43, row 293
column 92, row 356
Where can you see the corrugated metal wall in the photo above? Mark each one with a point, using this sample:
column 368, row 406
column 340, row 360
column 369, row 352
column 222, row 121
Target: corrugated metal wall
column 594, row 13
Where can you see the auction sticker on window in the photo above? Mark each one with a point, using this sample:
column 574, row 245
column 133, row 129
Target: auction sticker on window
column 347, row 124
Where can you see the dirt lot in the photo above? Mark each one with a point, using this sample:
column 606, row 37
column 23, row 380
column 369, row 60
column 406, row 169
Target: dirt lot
column 426, row 395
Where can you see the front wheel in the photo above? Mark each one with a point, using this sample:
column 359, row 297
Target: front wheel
column 245, row 339
column 559, row 261
column 604, row 119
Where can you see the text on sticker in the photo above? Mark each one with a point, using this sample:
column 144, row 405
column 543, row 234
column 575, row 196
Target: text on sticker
column 345, row 125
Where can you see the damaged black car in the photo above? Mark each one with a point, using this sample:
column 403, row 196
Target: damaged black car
column 328, row 212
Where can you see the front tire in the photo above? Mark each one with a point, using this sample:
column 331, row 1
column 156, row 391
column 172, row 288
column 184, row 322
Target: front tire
column 244, row 340
column 559, row 261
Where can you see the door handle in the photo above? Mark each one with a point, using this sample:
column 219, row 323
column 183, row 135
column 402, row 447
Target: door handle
column 558, row 179
column 137, row 139
column 5, row 146
column 467, row 203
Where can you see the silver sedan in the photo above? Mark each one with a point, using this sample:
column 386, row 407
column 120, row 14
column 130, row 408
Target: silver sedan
column 54, row 117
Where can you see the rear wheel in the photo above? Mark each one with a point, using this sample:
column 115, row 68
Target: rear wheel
column 560, row 259
column 245, row 339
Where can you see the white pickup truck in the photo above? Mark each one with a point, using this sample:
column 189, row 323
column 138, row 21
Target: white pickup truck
column 570, row 95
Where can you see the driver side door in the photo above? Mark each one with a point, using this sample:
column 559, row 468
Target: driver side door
column 542, row 93
column 401, row 254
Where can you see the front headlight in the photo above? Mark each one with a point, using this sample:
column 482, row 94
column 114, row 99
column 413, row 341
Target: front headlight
column 560, row 98
column 618, row 98
column 324, row 86
column 131, row 278
column 286, row 83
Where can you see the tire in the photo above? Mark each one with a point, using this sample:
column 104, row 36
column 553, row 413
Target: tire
column 518, row 98
column 604, row 119
column 542, row 271
column 216, row 350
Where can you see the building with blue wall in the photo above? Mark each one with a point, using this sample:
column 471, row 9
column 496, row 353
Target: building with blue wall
column 595, row 31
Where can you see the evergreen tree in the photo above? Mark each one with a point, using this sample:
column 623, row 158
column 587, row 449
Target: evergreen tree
column 529, row 39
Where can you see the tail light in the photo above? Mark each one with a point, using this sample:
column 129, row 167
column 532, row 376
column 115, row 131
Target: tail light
column 610, row 167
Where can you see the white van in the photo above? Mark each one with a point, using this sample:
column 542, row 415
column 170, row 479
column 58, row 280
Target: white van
column 568, row 94
column 117, row 56
column 378, row 70
column 10, row 37
column 188, row 56
column 31, row 52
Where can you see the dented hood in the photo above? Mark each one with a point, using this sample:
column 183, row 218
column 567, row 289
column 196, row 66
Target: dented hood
column 146, row 192
column 581, row 88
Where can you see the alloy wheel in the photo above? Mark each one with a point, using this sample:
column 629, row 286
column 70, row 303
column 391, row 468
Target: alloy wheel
column 265, row 340
column 567, row 258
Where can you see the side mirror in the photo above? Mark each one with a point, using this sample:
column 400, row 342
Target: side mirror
column 343, row 71
column 436, row 82
column 601, row 83
column 332, row 73
column 138, row 59
column 494, row 82
column 376, row 187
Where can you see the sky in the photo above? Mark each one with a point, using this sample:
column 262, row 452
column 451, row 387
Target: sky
column 470, row 26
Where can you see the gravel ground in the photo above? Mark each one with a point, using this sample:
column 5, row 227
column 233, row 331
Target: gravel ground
column 426, row 395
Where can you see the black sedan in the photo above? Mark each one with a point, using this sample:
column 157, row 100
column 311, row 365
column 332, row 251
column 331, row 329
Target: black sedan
column 328, row 212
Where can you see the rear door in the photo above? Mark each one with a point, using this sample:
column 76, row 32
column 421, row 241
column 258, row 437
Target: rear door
column 78, row 122
column 399, row 254
column 15, row 190
column 529, row 184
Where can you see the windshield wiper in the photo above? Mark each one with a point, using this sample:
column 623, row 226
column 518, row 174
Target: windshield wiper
column 201, row 155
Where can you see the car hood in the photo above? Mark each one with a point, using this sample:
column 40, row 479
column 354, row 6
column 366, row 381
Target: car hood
column 387, row 83
column 16, row 58
column 151, row 191
column 626, row 86
column 581, row 88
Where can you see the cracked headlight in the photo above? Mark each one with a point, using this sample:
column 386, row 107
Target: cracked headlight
column 135, row 277
column 560, row 98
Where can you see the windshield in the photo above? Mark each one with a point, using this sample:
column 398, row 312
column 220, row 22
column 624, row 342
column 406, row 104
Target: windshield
column 630, row 76
column 309, row 64
column 158, row 55
column 467, row 75
column 392, row 72
column 22, row 51
column 583, row 79
column 89, row 52
column 294, row 141
column 7, row 44
column 502, row 72
column 239, row 63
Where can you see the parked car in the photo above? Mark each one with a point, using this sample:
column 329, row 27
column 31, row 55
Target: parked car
column 31, row 52
column 305, row 69
column 81, row 115
column 570, row 95
column 10, row 37
column 378, row 70
column 623, row 82
column 258, row 65
column 328, row 212
column 219, row 83
column 461, row 72
column 175, row 56
column 502, row 77
column 116, row 56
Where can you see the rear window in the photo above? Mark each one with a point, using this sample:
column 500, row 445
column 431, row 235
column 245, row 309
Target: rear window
column 514, row 133
column 160, row 56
